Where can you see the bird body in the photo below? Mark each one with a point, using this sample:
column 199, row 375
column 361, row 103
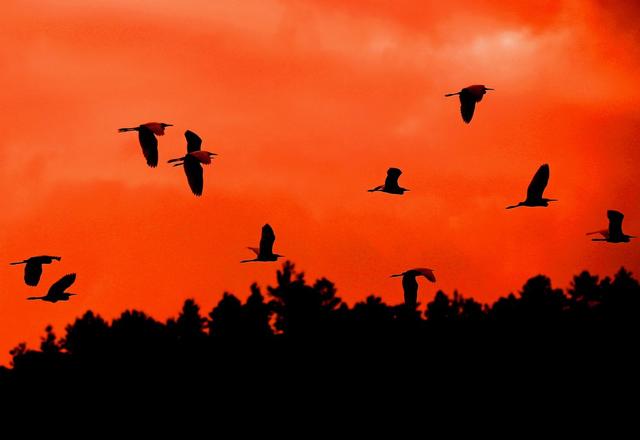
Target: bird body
column 410, row 284
column 536, row 189
column 391, row 183
column 614, row 234
column 147, row 137
column 192, row 160
column 33, row 267
column 468, row 98
column 57, row 290
column 265, row 251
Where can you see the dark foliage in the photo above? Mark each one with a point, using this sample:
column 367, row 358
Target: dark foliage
column 304, row 337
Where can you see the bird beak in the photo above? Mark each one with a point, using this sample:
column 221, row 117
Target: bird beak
column 396, row 275
column 168, row 125
column 487, row 88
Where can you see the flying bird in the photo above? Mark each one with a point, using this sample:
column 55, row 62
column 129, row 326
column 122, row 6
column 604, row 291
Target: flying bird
column 147, row 136
column 192, row 160
column 391, row 183
column 468, row 98
column 265, row 251
column 33, row 268
column 410, row 284
column 614, row 234
column 57, row 290
column 536, row 188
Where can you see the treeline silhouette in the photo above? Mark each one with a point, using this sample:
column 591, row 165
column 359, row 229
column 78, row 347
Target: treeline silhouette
column 297, row 329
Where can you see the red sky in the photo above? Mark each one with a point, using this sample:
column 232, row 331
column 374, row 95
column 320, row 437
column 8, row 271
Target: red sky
column 308, row 103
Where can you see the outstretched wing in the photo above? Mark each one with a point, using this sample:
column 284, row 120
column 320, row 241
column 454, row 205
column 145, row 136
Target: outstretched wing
column 202, row 156
column 193, row 170
column 477, row 91
column 266, row 240
column 467, row 105
column 62, row 284
column 392, row 177
column 149, row 145
column 155, row 127
column 427, row 273
column 615, row 223
column 538, row 183
column 32, row 273
column 193, row 141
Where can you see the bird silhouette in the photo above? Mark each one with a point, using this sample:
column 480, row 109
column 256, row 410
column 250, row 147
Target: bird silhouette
column 33, row 268
column 57, row 290
column 391, row 183
column 468, row 98
column 614, row 234
column 536, row 189
column 147, row 136
column 265, row 251
column 410, row 284
column 192, row 160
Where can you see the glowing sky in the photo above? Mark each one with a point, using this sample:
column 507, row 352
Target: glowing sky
column 307, row 104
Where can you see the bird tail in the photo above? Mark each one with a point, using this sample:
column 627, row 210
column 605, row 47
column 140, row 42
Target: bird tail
column 122, row 130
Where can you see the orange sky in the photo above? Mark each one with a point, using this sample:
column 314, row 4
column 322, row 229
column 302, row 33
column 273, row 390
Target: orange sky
column 308, row 102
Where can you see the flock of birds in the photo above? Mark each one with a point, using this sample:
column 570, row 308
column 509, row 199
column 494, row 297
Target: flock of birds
column 195, row 157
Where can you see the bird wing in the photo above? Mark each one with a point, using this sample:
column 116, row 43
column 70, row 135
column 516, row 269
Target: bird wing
column 392, row 177
column 193, row 170
column 266, row 240
column 615, row 222
column 477, row 91
column 62, row 284
column 155, row 127
column 32, row 273
column 427, row 273
column 467, row 105
column 149, row 145
column 202, row 156
column 193, row 141
column 538, row 183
